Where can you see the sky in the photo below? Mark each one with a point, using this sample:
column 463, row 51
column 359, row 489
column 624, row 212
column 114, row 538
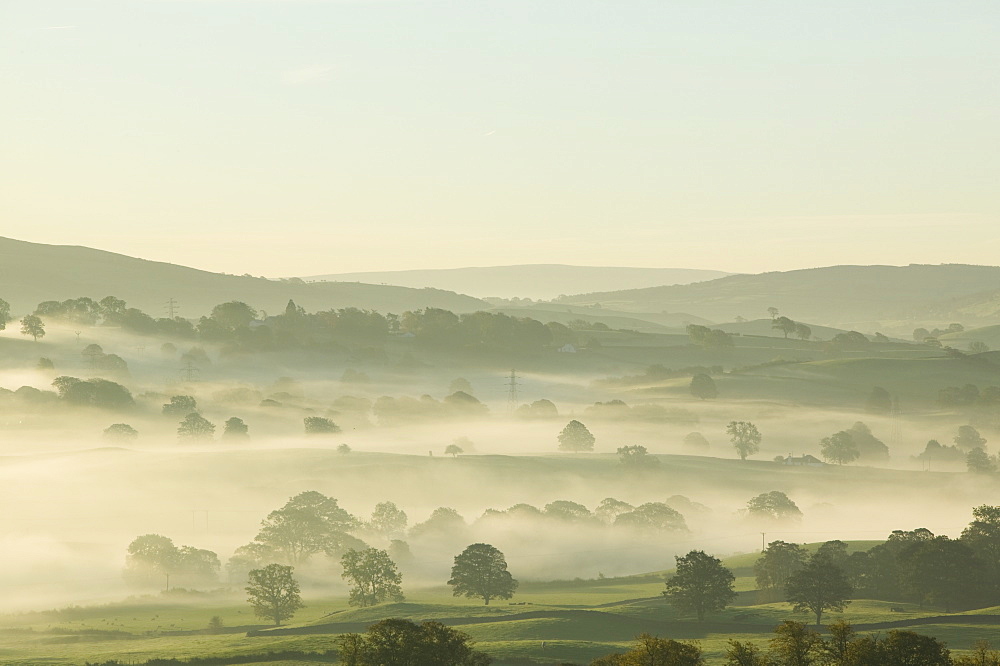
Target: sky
column 288, row 137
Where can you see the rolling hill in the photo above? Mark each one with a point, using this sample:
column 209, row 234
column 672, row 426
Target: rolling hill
column 529, row 281
column 33, row 272
column 853, row 297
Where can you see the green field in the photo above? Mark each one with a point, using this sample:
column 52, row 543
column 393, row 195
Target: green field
column 549, row 622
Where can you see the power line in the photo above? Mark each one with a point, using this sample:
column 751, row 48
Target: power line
column 512, row 385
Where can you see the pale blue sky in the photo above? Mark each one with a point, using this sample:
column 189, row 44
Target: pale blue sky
column 284, row 137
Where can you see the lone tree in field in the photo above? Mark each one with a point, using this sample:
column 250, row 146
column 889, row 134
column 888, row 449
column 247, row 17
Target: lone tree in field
column 33, row 325
column 701, row 585
column 236, row 428
column 273, row 593
column 195, row 427
column 481, row 571
column 373, row 575
column 817, row 587
column 839, row 448
column 745, row 438
column 453, row 450
column 576, row 437
column 703, row 386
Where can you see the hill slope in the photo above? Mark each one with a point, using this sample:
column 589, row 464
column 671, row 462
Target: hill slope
column 841, row 296
column 32, row 272
column 530, row 281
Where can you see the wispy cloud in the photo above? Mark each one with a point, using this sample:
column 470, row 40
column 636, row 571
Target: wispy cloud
column 311, row 75
column 59, row 27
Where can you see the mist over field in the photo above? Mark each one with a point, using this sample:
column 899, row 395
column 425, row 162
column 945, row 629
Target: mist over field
column 528, row 334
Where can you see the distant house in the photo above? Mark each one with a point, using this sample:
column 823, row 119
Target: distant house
column 567, row 349
column 803, row 461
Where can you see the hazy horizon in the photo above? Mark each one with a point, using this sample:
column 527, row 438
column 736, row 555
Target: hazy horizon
column 302, row 138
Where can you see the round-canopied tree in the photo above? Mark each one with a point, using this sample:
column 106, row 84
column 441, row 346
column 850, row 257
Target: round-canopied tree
column 481, row 571
column 703, row 386
column 701, row 585
column 576, row 437
column 273, row 593
column 195, row 427
column 840, row 448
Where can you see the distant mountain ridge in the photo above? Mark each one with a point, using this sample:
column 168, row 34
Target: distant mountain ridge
column 862, row 297
column 34, row 272
column 537, row 281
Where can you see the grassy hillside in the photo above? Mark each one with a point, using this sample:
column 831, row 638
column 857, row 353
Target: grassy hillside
column 33, row 272
column 853, row 297
column 529, row 281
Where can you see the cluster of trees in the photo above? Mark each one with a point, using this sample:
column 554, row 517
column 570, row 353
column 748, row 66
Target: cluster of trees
column 152, row 560
column 795, row 644
column 969, row 447
column 911, row 566
column 239, row 326
column 855, row 443
column 789, row 327
column 651, row 517
column 709, row 338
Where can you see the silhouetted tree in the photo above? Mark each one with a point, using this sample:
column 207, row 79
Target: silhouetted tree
column 576, row 437
column 777, row 563
column 637, row 457
column 817, row 587
column 481, row 571
column 745, row 438
column 839, row 448
column 33, row 326
column 774, row 505
column 388, row 520
column 273, row 593
column 180, row 405
column 399, row 642
column 701, row 584
column 307, row 524
column 318, row 425
column 795, row 644
column 120, row 432
column 968, row 438
column 654, row 651
column 703, row 386
column 784, row 324
column 236, row 429
column 195, row 427
column 979, row 462
column 373, row 575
